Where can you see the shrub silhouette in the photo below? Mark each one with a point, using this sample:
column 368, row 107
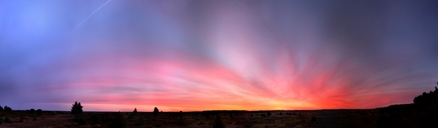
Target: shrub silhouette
column 427, row 105
column 427, row 99
column 269, row 114
column 155, row 112
column 32, row 110
column 39, row 111
column 135, row 111
column 7, row 109
column 76, row 108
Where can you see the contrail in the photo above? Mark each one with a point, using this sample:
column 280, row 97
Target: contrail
column 89, row 16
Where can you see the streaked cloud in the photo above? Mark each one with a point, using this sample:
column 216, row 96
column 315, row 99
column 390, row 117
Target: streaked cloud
column 203, row 55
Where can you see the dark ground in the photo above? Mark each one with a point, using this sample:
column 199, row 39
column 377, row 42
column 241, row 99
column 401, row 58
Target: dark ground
column 393, row 116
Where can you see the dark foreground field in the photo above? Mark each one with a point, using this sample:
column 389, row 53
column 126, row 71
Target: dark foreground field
column 394, row 116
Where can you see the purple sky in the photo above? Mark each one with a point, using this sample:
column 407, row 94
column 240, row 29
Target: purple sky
column 204, row 54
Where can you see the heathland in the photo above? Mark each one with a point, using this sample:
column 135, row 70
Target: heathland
column 423, row 112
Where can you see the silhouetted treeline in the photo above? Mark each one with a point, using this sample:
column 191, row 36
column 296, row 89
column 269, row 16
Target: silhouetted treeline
column 427, row 99
column 5, row 109
column 424, row 112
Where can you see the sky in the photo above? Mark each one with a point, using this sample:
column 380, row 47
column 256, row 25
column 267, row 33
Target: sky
column 194, row 55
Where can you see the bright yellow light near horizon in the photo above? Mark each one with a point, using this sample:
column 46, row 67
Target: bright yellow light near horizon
column 292, row 104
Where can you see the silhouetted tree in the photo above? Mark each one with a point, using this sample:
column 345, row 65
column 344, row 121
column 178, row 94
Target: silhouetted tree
column 427, row 105
column 269, row 114
column 76, row 108
column 7, row 109
column 155, row 112
column 32, row 110
column 39, row 111
column 135, row 111
column 1, row 109
column 436, row 89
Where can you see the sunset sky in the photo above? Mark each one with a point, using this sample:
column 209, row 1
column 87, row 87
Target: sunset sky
column 199, row 55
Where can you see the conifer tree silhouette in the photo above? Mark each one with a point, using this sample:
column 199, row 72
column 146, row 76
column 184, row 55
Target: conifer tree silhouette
column 76, row 108
column 155, row 112
column 135, row 111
